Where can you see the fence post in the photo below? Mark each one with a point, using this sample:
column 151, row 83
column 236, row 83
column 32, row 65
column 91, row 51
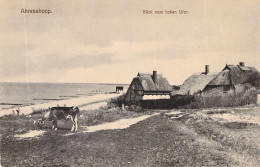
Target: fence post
column 123, row 106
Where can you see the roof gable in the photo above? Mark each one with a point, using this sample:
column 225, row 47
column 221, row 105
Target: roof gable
column 228, row 66
column 234, row 75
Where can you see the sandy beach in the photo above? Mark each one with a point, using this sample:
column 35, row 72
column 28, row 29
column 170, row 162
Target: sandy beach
column 86, row 102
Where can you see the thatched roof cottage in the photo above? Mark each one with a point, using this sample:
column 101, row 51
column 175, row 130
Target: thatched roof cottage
column 148, row 86
column 232, row 75
column 195, row 83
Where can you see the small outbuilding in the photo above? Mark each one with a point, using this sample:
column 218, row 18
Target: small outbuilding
column 232, row 75
column 119, row 88
column 147, row 87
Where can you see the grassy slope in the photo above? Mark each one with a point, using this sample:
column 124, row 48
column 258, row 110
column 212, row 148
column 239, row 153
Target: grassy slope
column 157, row 141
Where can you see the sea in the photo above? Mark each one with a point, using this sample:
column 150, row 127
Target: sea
column 23, row 94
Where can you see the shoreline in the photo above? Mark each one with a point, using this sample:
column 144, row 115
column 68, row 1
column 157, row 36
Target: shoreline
column 82, row 101
column 14, row 106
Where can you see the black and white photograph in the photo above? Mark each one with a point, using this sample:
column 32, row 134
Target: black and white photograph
column 134, row 83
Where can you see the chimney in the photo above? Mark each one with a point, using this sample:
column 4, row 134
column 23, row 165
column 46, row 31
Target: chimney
column 155, row 76
column 242, row 64
column 206, row 69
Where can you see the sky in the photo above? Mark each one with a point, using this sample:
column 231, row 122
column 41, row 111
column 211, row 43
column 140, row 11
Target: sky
column 88, row 41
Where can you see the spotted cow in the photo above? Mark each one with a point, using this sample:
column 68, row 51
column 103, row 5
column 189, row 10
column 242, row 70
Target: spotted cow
column 60, row 113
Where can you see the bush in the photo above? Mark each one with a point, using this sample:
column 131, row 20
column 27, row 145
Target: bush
column 117, row 102
column 135, row 108
column 38, row 111
column 243, row 95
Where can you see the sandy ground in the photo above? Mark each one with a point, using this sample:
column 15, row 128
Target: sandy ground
column 71, row 102
column 173, row 113
column 247, row 115
column 31, row 134
column 228, row 117
column 120, row 124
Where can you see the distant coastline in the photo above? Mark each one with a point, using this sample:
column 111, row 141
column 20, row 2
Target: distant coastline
column 18, row 94
column 68, row 83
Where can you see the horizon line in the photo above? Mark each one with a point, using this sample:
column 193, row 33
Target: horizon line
column 67, row 82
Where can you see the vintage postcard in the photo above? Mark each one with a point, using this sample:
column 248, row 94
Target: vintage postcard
column 130, row 83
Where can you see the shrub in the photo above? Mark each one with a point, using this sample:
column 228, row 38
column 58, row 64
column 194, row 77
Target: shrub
column 243, row 95
column 135, row 108
column 116, row 102
column 38, row 111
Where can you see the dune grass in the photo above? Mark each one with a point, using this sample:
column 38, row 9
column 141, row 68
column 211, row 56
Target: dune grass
column 239, row 139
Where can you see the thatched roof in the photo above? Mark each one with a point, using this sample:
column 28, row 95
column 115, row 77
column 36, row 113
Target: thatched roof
column 234, row 75
column 221, row 78
column 195, row 83
column 254, row 80
column 149, row 85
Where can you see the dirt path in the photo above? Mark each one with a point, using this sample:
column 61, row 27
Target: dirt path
column 120, row 124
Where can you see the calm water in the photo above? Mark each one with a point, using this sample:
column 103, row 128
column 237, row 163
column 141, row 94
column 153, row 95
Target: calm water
column 15, row 94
